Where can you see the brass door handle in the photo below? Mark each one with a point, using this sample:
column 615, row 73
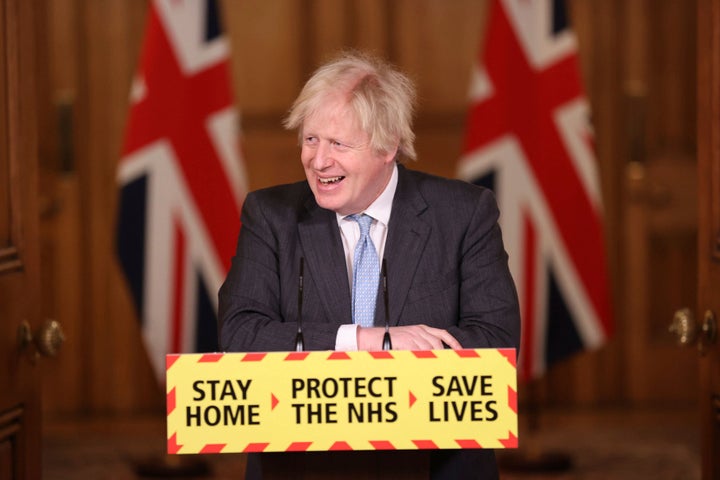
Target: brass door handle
column 687, row 331
column 47, row 342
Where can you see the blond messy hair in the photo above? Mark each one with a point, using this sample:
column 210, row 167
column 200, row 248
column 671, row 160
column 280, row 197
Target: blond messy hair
column 381, row 97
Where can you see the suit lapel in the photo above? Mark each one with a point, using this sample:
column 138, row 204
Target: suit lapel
column 325, row 257
column 407, row 237
column 325, row 261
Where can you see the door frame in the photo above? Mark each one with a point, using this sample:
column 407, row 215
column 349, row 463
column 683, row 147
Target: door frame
column 708, row 143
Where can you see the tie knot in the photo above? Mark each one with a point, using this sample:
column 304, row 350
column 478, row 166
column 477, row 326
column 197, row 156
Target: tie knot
column 364, row 221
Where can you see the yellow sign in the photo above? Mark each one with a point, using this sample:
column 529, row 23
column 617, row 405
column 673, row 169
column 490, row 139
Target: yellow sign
column 304, row 401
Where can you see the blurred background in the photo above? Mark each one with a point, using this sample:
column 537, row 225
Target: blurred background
column 640, row 73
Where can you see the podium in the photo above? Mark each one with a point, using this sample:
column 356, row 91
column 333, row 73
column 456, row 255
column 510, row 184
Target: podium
column 359, row 465
column 358, row 415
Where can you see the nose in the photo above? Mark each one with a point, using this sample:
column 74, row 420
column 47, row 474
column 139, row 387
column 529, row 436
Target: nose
column 322, row 157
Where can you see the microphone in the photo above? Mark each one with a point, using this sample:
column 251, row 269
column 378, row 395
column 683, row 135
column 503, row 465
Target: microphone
column 299, row 341
column 387, row 343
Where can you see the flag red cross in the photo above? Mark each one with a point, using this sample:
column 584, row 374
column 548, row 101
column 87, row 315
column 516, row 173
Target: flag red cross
column 517, row 108
column 160, row 116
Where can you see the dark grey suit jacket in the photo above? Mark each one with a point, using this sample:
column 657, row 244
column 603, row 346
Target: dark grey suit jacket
column 446, row 267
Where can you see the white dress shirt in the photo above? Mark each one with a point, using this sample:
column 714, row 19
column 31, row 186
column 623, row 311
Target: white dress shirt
column 379, row 210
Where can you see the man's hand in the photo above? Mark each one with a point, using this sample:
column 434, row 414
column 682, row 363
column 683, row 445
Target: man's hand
column 410, row 337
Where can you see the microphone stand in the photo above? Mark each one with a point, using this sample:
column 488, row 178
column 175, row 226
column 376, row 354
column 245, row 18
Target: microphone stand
column 299, row 340
column 387, row 343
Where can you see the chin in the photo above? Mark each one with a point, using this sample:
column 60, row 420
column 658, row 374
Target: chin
column 328, row 203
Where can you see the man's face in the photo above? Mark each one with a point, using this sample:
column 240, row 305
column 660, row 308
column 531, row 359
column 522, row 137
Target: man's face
column 344, row 173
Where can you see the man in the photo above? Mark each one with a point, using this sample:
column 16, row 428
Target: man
column 448, row 281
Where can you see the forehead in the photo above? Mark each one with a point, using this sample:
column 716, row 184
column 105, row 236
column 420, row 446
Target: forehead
column 332, row 116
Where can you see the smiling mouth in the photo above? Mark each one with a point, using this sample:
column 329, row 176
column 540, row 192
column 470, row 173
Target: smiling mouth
column 331, row 180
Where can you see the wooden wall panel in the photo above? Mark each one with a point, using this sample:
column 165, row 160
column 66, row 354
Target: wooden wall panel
column 671, row 122
column 272, row 157
column 103, row 367
column 5, row 211
column 111, row 334
column 375, row 20
column 265, row 76
column 436, row 43
column 330, row 27
column 438, row 150
column 58, row 213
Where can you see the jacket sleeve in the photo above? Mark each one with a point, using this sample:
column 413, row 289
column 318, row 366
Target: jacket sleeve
column 462, row 282
column 489, row 314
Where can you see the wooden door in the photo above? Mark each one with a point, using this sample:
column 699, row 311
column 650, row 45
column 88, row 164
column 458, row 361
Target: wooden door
column 708, row 307
column 19, row 265
column 660, row 203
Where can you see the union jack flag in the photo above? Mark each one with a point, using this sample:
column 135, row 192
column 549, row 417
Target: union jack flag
column 528, row 138
column 182, row 179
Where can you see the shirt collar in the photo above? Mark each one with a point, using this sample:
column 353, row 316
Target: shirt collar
column 382, row 206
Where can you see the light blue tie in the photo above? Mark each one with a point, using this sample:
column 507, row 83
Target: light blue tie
column 366, row 274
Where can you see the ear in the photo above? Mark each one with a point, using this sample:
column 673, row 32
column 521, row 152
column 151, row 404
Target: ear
column 391, row 155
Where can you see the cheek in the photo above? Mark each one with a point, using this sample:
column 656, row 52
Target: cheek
column 305, row 156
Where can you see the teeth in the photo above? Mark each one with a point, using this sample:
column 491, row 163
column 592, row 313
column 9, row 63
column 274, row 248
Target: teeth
column 327, row 181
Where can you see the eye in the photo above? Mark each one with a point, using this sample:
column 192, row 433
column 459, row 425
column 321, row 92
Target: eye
column 310, row 140
column 339, row 145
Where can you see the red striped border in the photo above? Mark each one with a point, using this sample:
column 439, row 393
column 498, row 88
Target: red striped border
column 172, row 445
column 467, row 353
column 213, row 448
column 211, row 357
column 510, row 442
column 424, row 354
column 253, row 357
column 294, row 356
column 510, row 354
column 339, row 356
column 382, row 355
column 170, row 401
column 512, row 399
column 255, row 447
column 170, row 360
column 382, row 445
column 468, row 443
column 425, row 444
column 340, row 446
column 298, row 447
